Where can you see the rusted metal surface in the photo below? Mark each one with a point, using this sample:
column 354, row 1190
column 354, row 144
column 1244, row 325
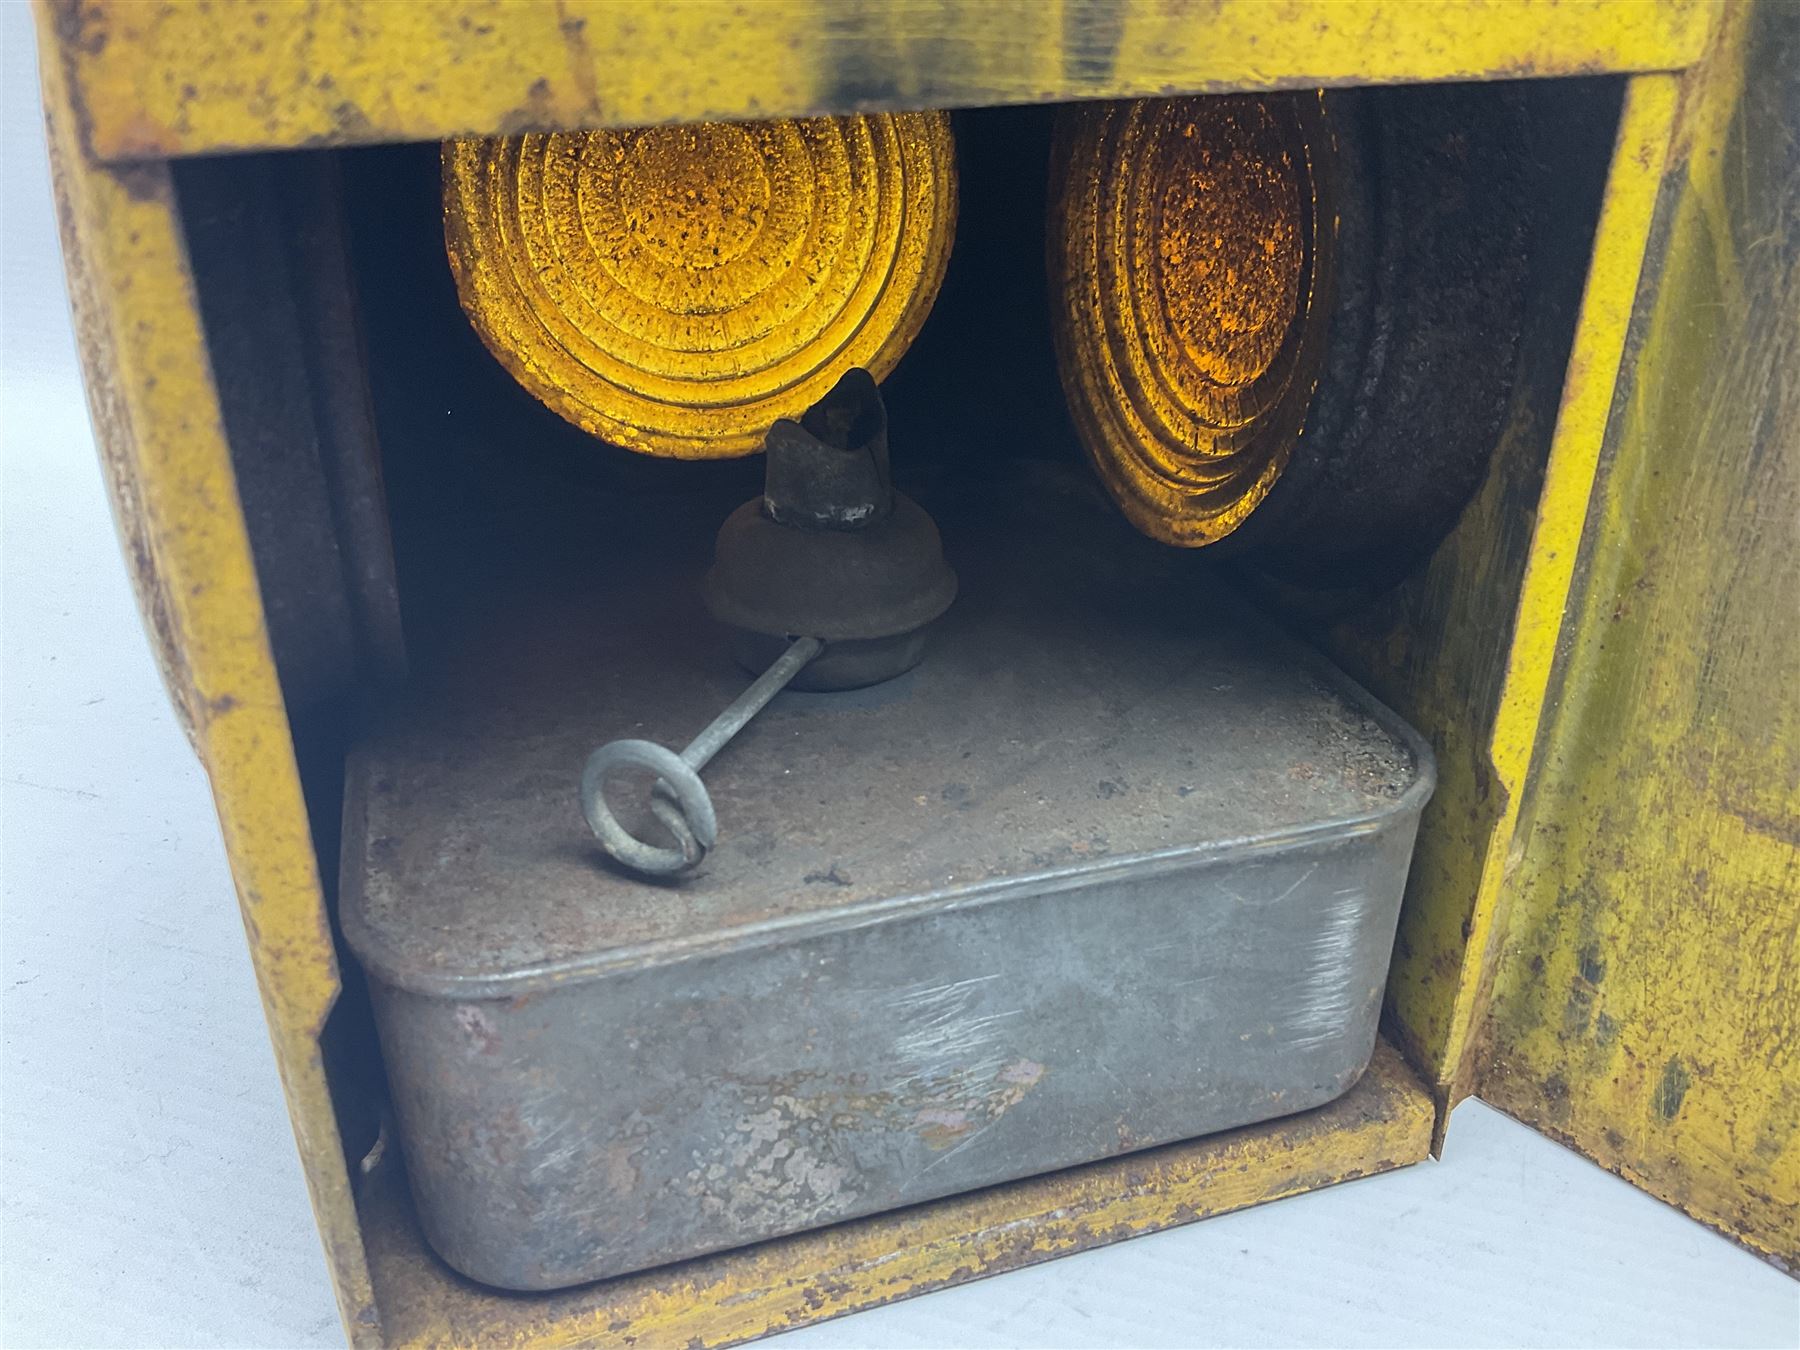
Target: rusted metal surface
column 872, row 594
column 831, row 551
column 1464, row 646
column 1382, row 1123
column 829, row 469
column 1114, row 866
column 168, row 465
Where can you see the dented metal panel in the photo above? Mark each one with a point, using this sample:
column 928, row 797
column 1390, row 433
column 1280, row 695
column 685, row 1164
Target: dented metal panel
column 1114, row 866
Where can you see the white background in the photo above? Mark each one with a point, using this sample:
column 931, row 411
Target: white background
column 149, row 1191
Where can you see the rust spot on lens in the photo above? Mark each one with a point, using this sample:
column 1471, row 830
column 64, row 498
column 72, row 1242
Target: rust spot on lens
column 1190, row 254
column 675, row 290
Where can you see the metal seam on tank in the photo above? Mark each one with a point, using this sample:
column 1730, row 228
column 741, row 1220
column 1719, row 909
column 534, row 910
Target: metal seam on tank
column 462, row 984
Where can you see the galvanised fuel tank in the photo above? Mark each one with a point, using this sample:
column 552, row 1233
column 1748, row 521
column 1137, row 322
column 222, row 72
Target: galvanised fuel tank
column 1117, row 864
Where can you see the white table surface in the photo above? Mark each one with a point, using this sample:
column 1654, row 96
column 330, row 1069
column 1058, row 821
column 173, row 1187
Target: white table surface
column 149, row 1190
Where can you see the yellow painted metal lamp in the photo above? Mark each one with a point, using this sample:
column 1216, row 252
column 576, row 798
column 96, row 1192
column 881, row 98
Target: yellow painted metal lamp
column 1540, row 629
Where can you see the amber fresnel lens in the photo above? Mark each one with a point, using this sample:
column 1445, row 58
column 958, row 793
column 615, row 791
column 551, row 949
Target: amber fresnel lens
column 674, row 290
column 1190, row 264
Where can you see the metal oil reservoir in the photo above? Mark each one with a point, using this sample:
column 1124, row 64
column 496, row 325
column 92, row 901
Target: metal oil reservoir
column 1077, row 884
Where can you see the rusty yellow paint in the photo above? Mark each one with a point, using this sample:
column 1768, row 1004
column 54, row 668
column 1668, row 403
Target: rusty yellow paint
column 1646, row 999
column 675, row 290
column 157, row 79
column 1190, row 259
column 155, row 409
column 1465, row 648
column 1382, row 1123
column 1645, row 125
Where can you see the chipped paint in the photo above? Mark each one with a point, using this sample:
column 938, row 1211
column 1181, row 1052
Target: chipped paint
column 1646, row 1001
column 1466, row 647
column 170, row 79
column 168, row 468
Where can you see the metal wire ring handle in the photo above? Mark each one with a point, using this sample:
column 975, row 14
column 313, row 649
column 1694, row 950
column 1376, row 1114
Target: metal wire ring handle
column 674, row 777
column 680, row 799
